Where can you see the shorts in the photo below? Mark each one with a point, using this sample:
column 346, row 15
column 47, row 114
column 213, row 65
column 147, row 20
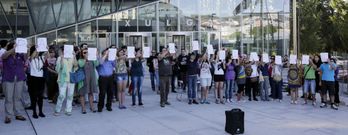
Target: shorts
column 219, row 78
column 205, row 82
column 309, row 86
column 328, row 86
column 121, row 77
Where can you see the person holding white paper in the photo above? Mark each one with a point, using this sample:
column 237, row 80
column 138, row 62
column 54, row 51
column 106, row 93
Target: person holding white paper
column 13, row 79
column 121, row 77
column 276, row 74
column 182, row 60
column 309, row 81
column 294, row 81
column 230, row 76
column 165, row 70
column 106, row 81
column 252, row 80
column 66, row 89
column 219, row 78
column 36, row 81
column 205, row 78
column 327, row 82
column 264, row 80
column 137, row 75
column 89, row 85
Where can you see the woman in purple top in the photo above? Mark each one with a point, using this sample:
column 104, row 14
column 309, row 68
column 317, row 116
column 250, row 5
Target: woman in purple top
column 229, row 77
column 13, row 82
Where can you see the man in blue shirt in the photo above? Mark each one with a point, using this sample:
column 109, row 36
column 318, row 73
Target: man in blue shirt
column 327, row 82
column 106, row 84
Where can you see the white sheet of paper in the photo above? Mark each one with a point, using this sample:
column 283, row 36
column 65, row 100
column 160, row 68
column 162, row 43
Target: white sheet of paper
column 278, row 60
column 265, row 58
column 222, row 54
column 235, row 54
column 324, row 56
column 92, row 54
column 112, row 54
column 210, row 49
column 195, row 45
column 68, row 51
column 146, row 52
column 171, row 47
column 305, row 59
column 42, row 45
column 131, row 51
column 293, row 59
column 21, row 45
column 254, row 56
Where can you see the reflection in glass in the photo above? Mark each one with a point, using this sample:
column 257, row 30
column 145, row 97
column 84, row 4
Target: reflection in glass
column 66, row 36
column 168, row 16
column 147, row 18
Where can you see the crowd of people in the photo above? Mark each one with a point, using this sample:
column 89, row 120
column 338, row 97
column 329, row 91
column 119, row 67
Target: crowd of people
column 47, row 74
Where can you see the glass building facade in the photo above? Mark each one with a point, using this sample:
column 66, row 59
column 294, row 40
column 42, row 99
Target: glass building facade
column 247, row 25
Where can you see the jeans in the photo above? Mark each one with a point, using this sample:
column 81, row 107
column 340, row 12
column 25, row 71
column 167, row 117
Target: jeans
column 307, row 84
column 154, row 79
column 66, row 89
column 192, row 84
column 137, row 82
column 277, row 93
column 229, row 88
column 264, row 88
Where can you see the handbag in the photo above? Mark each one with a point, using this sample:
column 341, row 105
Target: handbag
column 77, row 76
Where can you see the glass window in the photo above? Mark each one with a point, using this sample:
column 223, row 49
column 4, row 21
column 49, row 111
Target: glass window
column 125, row 4
column 210, row 14
column 189, row 15
column 65, row 11
column 127, row 20
column 147, row 18
column 66, row 36
column 168, row 15
column 86, row 33
column 42, row 14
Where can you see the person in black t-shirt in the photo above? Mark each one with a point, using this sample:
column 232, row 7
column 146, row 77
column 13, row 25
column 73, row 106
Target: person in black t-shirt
column 182, row 61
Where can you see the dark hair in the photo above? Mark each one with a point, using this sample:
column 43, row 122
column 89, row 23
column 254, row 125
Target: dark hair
column 3, row 43
column 10, row 45
column 32, row 49
column 83, row 45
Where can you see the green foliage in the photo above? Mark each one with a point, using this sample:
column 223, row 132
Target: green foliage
column 323, row 25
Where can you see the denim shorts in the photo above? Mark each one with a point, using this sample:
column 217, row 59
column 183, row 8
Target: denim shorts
column 309, row 86
column 121, row 77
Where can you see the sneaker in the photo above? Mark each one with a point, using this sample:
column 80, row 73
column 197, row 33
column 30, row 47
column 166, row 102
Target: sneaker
column 295, row 102
column 195, row 102
column 141, row 104
column 133, row 104
column 217, row 101
column 280, row 100
column 21, row 118
column 255, row 99
column 56, row 114
column 68, row 114
column 333, row 106
column 314, row 104
column 167, row 103
column 35, row 116
column 249, row 99
column 206, row 102
column 323, row 105
column 202, row 102
column 222, row 102
column 304, row 103
column 162, row 105
column 7, row 120
column 291, row 102
column 190, row 102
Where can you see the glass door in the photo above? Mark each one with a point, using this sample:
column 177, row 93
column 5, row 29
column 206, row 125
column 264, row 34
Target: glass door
column 136, row 41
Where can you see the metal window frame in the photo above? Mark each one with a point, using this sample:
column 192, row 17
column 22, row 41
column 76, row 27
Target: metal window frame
column 6, row 19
